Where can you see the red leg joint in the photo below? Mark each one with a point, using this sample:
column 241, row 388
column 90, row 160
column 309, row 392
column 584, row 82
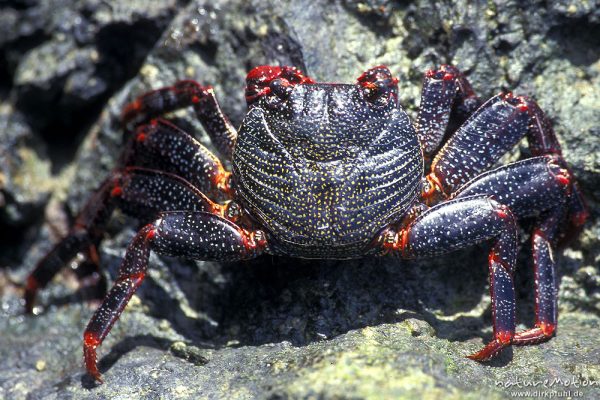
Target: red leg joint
column 432, row 189
column 396, row 242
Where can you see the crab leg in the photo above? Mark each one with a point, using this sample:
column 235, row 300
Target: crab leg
column 543, row 140
column 444, row 90
column 457, row 224
column 139, row 192
column 490, row 132
column 541, row 136
column 85, row 231
column 487, row 135
column 53, row 262
column 529, row 187
column 546, row 291
column 143, row 193
column 536, row 186
column 163, row 146
column 183, row 94
column 196, row 235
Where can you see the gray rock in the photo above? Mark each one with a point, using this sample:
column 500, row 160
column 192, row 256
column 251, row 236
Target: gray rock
column 287, row 328
column 59, row 63
column 66, row 55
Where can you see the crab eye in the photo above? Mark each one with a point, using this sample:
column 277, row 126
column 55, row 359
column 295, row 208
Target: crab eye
column 281, row 88
column 378, row 86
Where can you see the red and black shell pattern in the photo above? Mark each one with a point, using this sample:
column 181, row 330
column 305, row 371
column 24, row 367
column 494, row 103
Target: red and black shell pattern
column 326, row 168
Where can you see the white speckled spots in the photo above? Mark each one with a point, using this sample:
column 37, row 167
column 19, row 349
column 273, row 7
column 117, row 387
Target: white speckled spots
column 327, row 172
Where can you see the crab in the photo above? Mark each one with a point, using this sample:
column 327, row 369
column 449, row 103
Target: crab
column 334, row 171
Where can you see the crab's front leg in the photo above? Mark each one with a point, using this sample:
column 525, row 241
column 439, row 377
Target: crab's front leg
column 460, row 223
column 195, row 235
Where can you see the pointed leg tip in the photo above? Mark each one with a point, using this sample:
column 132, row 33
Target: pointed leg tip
column 28, row 308
column 479, row 356
column 91, row 342
column 474, row 357
column 92, row 370
column 31, row 288
column 491, row 350
column 91, row 366
column 96, row 376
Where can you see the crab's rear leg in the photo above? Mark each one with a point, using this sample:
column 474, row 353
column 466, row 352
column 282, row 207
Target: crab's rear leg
column 460, row 223
column 546, row 291
column 184, row 94
column 196, row 235
column 140, row 192
column 535, row 187
column 85, row 232
column 542, row 140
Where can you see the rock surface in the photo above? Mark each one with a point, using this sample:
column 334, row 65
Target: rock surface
column 277, row 328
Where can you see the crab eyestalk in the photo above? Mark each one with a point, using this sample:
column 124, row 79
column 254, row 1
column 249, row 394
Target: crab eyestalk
column 264, row 80
column 379, row 86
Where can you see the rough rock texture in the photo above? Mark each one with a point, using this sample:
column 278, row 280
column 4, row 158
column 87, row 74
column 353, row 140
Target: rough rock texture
column 277, row 328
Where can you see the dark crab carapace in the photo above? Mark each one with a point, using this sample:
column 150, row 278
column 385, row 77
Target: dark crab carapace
column 324, row 170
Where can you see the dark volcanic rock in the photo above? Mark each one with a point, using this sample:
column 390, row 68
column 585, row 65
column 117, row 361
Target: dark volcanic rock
column 60, row 61
column 65, row 56
column 273, row 327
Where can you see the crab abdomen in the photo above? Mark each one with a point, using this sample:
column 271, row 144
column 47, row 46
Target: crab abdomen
column 330, row 206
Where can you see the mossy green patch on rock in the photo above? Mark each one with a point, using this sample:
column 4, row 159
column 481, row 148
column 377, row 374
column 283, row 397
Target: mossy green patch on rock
column 379, row 363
